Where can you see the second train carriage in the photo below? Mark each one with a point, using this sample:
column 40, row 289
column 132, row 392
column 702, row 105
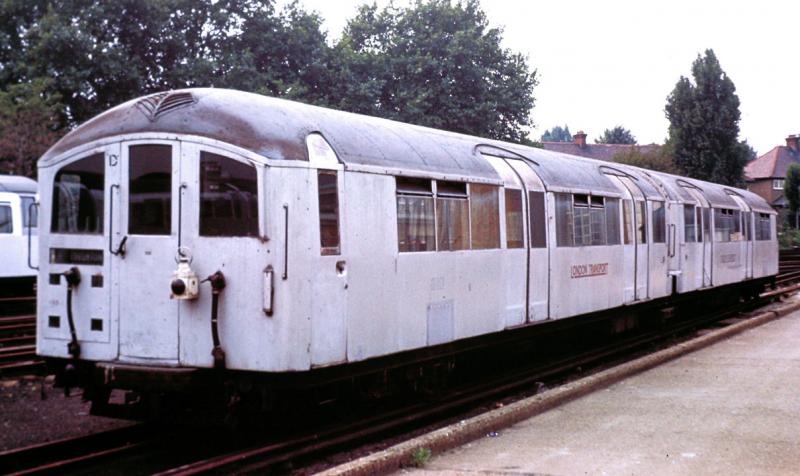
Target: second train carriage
column 343, row 237
column 18, row 227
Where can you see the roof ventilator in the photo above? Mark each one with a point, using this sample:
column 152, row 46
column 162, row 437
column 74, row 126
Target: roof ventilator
column 157, row 105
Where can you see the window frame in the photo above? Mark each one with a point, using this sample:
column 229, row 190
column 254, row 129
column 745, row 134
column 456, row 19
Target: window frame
column 259, row 193
column 329, row 250
column 56, row 195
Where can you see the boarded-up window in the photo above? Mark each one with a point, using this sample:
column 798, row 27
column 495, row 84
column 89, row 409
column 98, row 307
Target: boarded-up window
column 612, row 221
column 415, row 215
column 641, row 222
column 452, row 216
column 514, row 223
column 537, row 220
column 78, row 196
column 328, row 213
column 627, row 221
column 484, row 204
column 150, row 191
column 564, row 220
column 659, row 223
column 228, row 197
column 689, row 228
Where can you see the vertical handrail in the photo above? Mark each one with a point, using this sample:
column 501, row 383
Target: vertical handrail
column 30, row 232
column 121, row 248
column 180, row 211
column 286, row 241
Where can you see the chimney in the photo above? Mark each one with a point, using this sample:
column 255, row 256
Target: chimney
column 580, row 139
column 791, row 142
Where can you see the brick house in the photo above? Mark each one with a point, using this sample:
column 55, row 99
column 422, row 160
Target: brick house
column 765, row 175
column 606, row 152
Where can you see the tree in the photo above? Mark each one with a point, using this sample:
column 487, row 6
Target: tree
column 704, row 124
column 617, row 135
column 435, row 63
column 29, row 122
column 557, row 134
column 659, row 159
column 791, row 189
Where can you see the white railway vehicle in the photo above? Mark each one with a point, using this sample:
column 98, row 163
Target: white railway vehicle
column 342, row 239
column 18, row 221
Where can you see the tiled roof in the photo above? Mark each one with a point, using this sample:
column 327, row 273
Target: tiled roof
column 598, row 151
column 773, row 164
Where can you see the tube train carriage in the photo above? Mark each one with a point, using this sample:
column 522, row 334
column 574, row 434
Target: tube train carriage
column 330, row 238
column 18, row 225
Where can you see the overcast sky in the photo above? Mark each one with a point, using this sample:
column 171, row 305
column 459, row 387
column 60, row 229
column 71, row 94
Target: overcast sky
column 607, row 63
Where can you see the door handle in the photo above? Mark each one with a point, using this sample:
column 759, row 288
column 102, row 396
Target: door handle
column 120, row 251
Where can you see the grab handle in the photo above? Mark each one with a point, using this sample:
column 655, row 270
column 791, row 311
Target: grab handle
column 30, row 232
column 120, row 251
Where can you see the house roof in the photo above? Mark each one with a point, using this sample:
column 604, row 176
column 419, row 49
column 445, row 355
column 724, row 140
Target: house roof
column 598, row 151
column 773, row 164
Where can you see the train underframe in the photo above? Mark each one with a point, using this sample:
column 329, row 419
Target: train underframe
column 139, row 392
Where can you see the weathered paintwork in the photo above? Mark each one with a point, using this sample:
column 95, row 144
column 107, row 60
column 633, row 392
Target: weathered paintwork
column 369, row 299
column 14, row 240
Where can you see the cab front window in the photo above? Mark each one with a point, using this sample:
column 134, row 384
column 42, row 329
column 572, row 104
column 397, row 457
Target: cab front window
column 78, row 197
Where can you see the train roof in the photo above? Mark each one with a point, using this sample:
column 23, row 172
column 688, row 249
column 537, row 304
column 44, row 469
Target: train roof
column 277, row 129
column 17, row 184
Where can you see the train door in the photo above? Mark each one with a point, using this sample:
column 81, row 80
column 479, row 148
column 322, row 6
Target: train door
column 144, row 228
column 217, row 200
column 79, row 223
column 516, row 276
column 691, row 248
column 704, row 237
column 536, row 225
column 746, row 238
column 635, row 238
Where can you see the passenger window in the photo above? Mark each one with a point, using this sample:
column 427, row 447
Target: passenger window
column 598, row 220
column 150, row 191
column 6, row 225
column 78, row 196
column 763, row 227
column 659, row 223
column 564, row 220
column 484, row 205
column 415, row 225
column 33, row 219
column 612, row 221
column 537, row 220
column 514, row 228
column 689, row 227
column 228, row 197
column 707, row 224
column 627, row 221
column 722, row 225
column 328, row 213
column 582, row 221
column 641, row 223
column 452, row 216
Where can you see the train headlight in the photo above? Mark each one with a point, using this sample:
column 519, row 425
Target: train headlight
column 184, row 284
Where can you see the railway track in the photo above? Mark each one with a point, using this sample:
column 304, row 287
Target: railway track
column 18, row 336
column 137, row 443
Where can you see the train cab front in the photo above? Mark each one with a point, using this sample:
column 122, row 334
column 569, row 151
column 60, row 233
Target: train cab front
column 135, row 292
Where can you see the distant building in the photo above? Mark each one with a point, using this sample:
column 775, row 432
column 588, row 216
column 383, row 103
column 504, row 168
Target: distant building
column 765, row 175
column 606, row 152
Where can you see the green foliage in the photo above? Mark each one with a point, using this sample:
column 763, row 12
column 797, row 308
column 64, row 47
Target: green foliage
column 29, row 122
column 788, row 238
column 659, row 160
column 704, row 124
column 617, row 135
column 435, row 63
column 421, row 457
column 791, row 187
column 557, row 134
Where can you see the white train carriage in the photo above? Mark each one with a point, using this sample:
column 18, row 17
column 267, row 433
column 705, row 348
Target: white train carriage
column 344, row 238
column 18, row 221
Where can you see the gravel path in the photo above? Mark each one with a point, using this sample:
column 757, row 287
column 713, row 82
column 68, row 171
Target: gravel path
column 27, row 419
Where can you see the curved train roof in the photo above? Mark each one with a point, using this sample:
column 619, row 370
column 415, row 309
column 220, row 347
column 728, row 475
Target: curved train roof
column 277, row 129
column 17, row 184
